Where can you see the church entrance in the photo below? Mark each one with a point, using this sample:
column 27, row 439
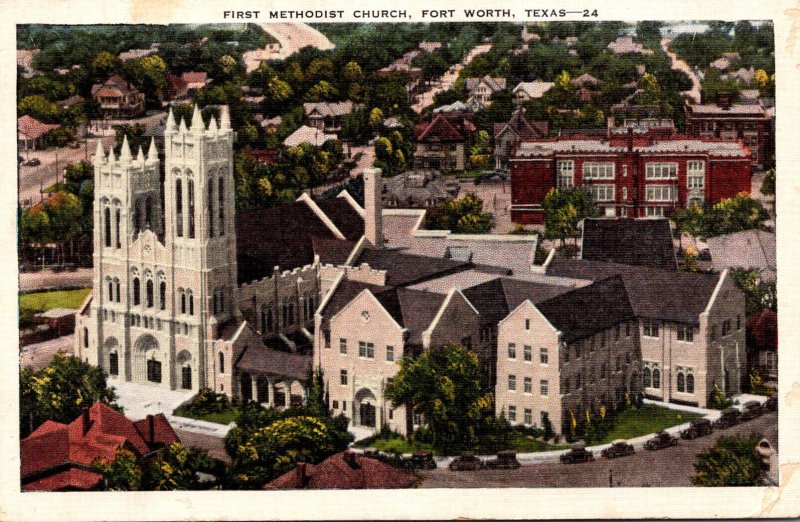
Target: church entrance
column 366, row 408
column 148, row 360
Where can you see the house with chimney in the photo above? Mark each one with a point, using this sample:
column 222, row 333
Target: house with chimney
column 640, row 170
column 59, row 457
column 482, row 89
column 443, row 142
column 750, row 124
column 516, row 129
column 118, row 98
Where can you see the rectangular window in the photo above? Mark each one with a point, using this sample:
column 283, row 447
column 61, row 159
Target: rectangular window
column 544, row 387
column 512, row 413
column 528, row 419
column 366, row 350
column 596, row 170
column 726, row 327
column 713, row 333
column 685, row 333
column 616, row 333
column 512, row 351
column 661, row 171
column 654, row 211
column 650, row 328
column 696, row 174
column 335, row 405
column 153, row 371
column 543, row 356
column 602, row 192
column 343, row 377
column 512, row 382
column 113, row 364
column 627, row 329
column 738, row 323
column 390, row 353
column 527, row 353
column 342, row 345
column 565, row 171
column 527, row 324
column 528, row 385
column 661, row 193
column 618, row 364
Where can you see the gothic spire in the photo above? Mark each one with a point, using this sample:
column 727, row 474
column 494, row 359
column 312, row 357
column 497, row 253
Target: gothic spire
column 125, row 152
column 224, row 118
column 152, row 152
column 170, row 123
column 197, row 121
column 100, row 153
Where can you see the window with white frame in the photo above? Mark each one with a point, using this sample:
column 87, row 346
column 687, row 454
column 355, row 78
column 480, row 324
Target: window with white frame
column 598, row 170
column 624, row 193
column 543, row 357
column 651, row 374
column 684, row 379
column 527, row 384
column 544, row 387
column 650, row 328
column 661, row 171
column 768, row 360
column 602, row 192
column 512, row 382
column 342, row 345
column 527, row 353
column 726, row 327
column 654, row 211
column 512, row 351
column 512, row 413
column 565, row 174
column 696, row 174
column 366, row 350
column 666, row 193
column 390, row 353
column 343, row 377
column 685, row 333
column 528, row 418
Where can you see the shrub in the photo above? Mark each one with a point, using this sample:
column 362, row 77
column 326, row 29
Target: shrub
column 206, row 401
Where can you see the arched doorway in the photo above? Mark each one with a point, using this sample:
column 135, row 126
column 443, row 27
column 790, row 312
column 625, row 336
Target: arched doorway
column 366, row 408
column 246, row 387
column 185, row 364
column 149, row 360
column 110, row 356
column 262, row 389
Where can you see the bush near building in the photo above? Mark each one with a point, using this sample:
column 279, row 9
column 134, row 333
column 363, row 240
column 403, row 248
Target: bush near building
column 731, row 462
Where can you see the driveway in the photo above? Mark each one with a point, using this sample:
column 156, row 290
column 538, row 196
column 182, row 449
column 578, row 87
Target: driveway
column 49, row 280
column 671, row 467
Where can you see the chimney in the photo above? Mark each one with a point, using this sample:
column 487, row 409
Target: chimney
column 151, row 426
column 86, row 420
column 350, row 459
column 373, row 206
column 724, row 100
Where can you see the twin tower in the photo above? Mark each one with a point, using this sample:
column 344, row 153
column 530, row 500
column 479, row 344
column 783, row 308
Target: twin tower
column 165, row 278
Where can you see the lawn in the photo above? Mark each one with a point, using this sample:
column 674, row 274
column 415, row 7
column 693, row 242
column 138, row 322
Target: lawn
column 43, row 301
column 523, row 444
column 222, row 417
column 648, row 418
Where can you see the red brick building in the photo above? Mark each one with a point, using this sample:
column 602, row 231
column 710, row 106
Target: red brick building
column 750, row 123
column 634, row 172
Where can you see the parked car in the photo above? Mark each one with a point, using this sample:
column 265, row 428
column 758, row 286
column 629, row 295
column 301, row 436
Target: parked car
column 33, row 162
column 618, row 448
column 661, row 440
column 751, row 410
column 491, row 175
column 729, row 417
column 466, row 462
column 506, row 459
column 697, row 428
column 771, row 404
column 421, row 460
column 576, row 455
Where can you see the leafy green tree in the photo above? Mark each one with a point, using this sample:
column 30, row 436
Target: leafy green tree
column 40, row 108
column 105, row 64
column 122, row 473
column 322, row 91
column 563, row 210
column 768, row 185
column 444, row 385
column 462, row 216
column 759, row 295
column 733, row 461
column 176, row 468
column 59, row 391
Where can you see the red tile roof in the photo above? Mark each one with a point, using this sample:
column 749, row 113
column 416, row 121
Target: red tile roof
column 443, row 128
column 72, row 479
column 345, row 470
column 30, row 128
column 55, row 448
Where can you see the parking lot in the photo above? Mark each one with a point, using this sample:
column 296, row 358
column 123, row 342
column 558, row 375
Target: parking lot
column 670, row 467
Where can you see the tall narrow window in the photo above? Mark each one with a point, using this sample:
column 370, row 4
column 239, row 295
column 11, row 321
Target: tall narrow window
column 183, row 301
column 85, row 337
column 191, row 303
column 221, row 362
column 178, row 208
column 107, row 231
column 270, row 320
column 162, row 294
column 137, row 297
column 210, row 208
column 148, row 213
column 110, row 291
column 137, row 218
column 117, row 217
column 149, row 293
column 190, row 204
column 113, row 363
column 116, row 288
column 221, row 194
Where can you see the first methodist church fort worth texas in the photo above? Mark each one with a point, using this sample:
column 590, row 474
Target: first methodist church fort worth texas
column 189, row 295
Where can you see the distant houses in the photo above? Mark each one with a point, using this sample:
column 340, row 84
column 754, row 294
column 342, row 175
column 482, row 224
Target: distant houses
column 516, row 129
column 310, row 135
column 118, row 98
column 326, row 116
column 527, row 91
column 32, row 134
column 482, row 89
column 443, row 142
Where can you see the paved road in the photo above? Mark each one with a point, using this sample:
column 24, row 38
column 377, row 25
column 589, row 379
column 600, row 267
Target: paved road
column 39, row 355
column 49, row 280
column 215, row 446
column 681, row 65
column 292, row 37
column 448, row 79
column 671, row 467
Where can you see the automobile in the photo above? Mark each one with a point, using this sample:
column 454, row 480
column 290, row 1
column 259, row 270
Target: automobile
column 661, row 440
column 33, row 162
column 506, row 459
column 75, row 145
column 466, row 462
column 697, row 428
column 729, row 417
column 771, row 404
column 491, row 175
column 420, row 460
column 751, row 410
column 618, row 448
column 576, row 455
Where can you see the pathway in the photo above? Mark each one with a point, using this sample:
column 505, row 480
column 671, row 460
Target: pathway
column 681, row 65
column 49, row 280
column 292, row 37
column 448, row 79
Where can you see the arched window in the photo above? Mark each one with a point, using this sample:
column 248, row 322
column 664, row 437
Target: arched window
column 162, row 294
column 191, row 302
column 110, row 290
column 107, row 226
column 690, row 383
column 149, row 293
column 190, row 204
column 656, row 378
column 148, row 212
column 211, row 207
column 182, row 295
column 85, row 337
column 681, row 382
column 137, row 297
column 221, row 198
column 221, row 362
column 646, row 378
column 117, row 219
column 178, row 208
column 137, row 218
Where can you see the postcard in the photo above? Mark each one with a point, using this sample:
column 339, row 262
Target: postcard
column 422, row 261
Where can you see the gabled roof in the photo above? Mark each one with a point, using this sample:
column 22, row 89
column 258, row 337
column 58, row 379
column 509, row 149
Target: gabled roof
column 329, row 109
column 406, row 269
column 643, row 242
column 495, row 299
column 116, row 82
column 194, row 77
column 494, row 84
column 30, row 128
column 306, row 134
column 345, row 470
column 585, row 79
column 261, row 359
column 439, row 129
column 535, row 89
column 745, row 249
column 522, row 127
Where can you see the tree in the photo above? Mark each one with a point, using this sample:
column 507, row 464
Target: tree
column 176, row 468
column 463, row 216
column 122, row 473
column 444, row 385
column 759, row 295
column 563, row 210
column 104, row 64
column 768, row 185
column 322, row 91
column 39, row 107
column 733, row 461
column 59, row 391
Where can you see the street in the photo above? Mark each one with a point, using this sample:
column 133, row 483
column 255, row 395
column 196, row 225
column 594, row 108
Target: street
column 50, row 280
column 681, row 65
column 670, row 467
column 447, row 80
column 39, row 355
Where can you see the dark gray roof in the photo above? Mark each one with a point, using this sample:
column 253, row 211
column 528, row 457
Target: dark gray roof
column 406, row 269
column 654, row 293
column 644, row 242
column 495, row 299
column 263, row 360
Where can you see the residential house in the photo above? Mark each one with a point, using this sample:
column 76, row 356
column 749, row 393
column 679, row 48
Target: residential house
column 175, row 88
column 59, row 457
column 195, row 81
column 32, row 134
column 746, row 249
column 762, row 346
column 626, row 45
column 271, row 125
column 585, row 80
column 402, row 67
column 527, row 91
column 629, row 174
column 750, row 124
column 418, row 188
column 345, row 470
column 641, row 242
column 508, row 134
column 306, row 134
column 118, row 98
column 482, row 89
column 327, row 117
column 135, row 54
column 443, row 142
column 430, row 47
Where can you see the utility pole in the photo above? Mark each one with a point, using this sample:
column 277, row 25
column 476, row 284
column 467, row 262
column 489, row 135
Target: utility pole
column 56, row 168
